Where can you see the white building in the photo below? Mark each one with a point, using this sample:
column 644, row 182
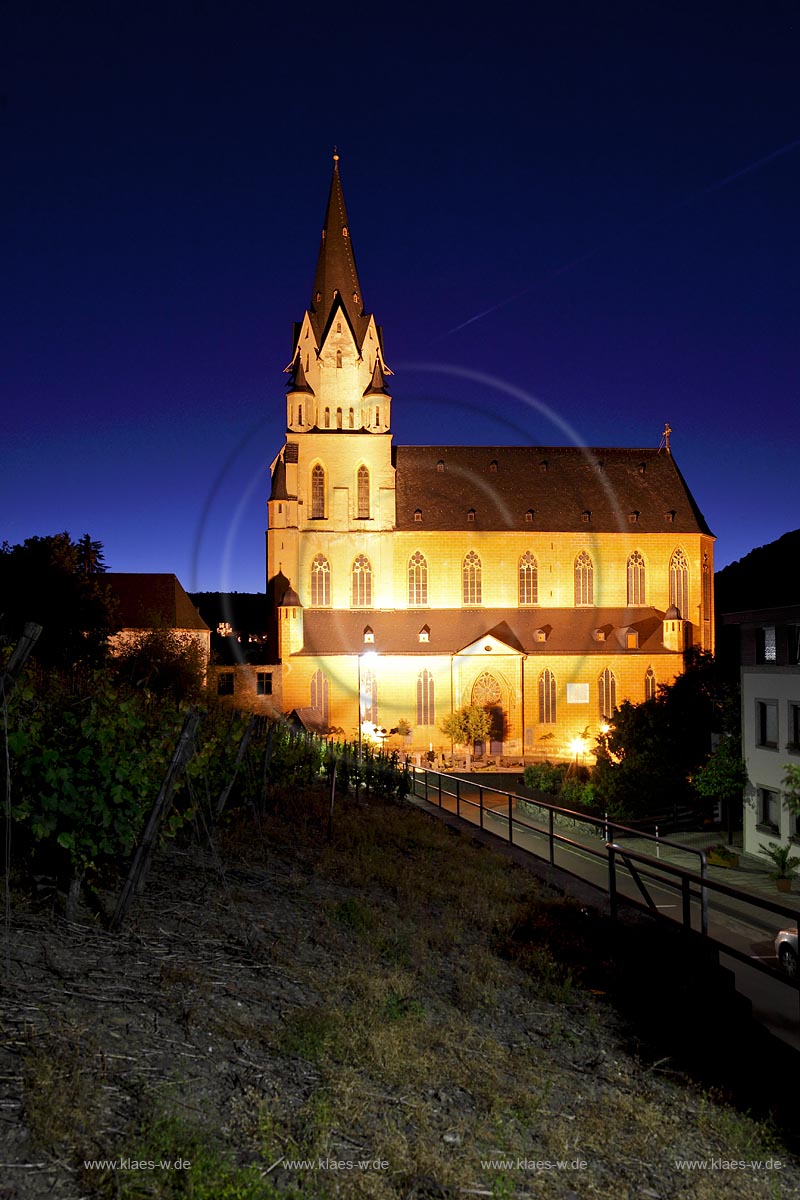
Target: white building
column 770, row 678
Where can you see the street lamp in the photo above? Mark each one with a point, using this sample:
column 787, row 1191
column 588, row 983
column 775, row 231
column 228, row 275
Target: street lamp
column 369, row 657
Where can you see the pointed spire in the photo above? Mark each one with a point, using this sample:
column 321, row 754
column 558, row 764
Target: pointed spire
column 278, row 491
column 336, row 277
column 377, row 385
column 297, row 379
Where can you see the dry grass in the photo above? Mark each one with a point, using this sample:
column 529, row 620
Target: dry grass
column 411, row 999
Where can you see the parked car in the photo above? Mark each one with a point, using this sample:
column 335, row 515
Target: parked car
column 786, row 951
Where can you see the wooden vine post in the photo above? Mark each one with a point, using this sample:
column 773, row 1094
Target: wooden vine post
column 19, row 656
column 143, row 857
column 243, row 744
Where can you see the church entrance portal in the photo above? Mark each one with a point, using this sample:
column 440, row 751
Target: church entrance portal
column 486, row 692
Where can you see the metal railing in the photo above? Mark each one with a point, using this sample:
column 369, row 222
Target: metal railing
column 493, row 811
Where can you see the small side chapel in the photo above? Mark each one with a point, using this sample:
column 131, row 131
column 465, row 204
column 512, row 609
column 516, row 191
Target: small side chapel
column 545, row 583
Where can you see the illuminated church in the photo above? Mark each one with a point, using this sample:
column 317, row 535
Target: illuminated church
column 545, row 583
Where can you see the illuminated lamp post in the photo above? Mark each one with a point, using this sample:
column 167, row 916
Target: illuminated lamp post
column 369, row 657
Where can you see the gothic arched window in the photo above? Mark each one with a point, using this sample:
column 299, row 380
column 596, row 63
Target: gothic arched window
column 471, row 579
column 426, row 714
column 584, row 579
column 649, row 684
column 362, row 582
column 320, row 582
column 363, row 493
column 636, row 579
column 528, row 579
column 318, row 492
column 607, row 693
column 547, row 698
column 679, row 583
column 417, row 579
column 319, row 694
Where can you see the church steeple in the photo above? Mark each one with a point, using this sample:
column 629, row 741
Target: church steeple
column 337, row 375
column 336, row 278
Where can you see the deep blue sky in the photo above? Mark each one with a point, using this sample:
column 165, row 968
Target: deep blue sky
column 611, row 190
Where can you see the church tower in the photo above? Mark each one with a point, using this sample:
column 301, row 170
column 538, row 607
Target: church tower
column 333, row 481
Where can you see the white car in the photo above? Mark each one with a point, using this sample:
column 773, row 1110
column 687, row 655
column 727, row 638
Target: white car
column 786, row 951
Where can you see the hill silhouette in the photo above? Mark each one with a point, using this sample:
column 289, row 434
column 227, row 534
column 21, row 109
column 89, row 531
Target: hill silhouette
column 762, row 579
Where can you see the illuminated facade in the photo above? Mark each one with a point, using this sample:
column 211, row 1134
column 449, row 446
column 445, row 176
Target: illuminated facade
column 545, row 583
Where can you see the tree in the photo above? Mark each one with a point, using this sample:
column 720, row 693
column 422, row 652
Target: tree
column 724, row 775
column 90, row 558
column 42, row 580
column 653, row 751
column 162, row 662
column 467, row 725
column 638, row 762
column 791, row 788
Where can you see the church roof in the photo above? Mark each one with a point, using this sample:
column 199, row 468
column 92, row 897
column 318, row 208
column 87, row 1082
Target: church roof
column 152, row 601
column 377, row 385
column 567, row 631
column 568, row 489
column 297, row 381
column 336, row 275
column 278, row 490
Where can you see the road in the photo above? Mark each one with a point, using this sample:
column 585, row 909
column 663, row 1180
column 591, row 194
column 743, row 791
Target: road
column 732, row 921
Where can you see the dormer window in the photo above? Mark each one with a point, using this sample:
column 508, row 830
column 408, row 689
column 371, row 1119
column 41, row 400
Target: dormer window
column 633, row 518
column 529, row 516
column 425, row 633
column 493, row 466
column 631, row 639
column 539, row 635
column 586, row 516
column 440, row 466
column 669, row 516
column 417, row 514
column 599, row 635
column 471, row 514
column 543, row 466
column 369, row 635
column 642, row 468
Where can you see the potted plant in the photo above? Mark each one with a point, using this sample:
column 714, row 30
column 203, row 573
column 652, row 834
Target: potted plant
column 785, row 862
column 721, row 856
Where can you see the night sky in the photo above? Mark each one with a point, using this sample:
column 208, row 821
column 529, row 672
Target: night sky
column 574, row 221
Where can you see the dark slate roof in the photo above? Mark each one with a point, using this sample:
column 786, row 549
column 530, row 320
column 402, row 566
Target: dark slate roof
column 568, row 489
column 297, row 380
column 149, row 601
column 377, row 385
column 568, row 630
column 307, row 718
column 278, row 490
column 336, row 275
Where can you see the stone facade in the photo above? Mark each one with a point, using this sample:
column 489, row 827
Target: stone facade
column 546, row 583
